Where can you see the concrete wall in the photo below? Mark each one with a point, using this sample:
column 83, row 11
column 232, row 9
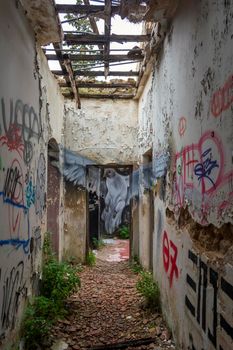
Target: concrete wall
column 22, row 166
column 31, row 112
column 189, row 106
column 103, row 130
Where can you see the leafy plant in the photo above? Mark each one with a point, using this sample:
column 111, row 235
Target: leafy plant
column 38, row 320
column 59, row 280
column 97, row 243
column 149, row 289
column 124, row 232
column 135, row 265
column 90, row 258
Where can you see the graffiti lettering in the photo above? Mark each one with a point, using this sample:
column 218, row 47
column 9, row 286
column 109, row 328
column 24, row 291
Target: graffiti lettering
column 30, row 194
column 13, row 179
column 13, row 288
column 222, row 98
column 206, row 281
column 182, row 126
column 204, row 169
column 200, row 174
column 169, row 260
column 23, row 125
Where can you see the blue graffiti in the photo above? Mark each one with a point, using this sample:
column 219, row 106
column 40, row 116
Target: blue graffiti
column 17, row 243
column 205, row 167
column 14, row 204
column 30, row 194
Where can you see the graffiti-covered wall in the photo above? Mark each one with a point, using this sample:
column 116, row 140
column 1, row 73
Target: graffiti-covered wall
column 190, row 109
column 23, row 166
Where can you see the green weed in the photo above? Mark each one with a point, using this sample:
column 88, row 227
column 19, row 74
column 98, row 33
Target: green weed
column 59, row 281
column 149, row 289
column 124, row 232
column 97, row 243
column 90, row 258
column 135, row 265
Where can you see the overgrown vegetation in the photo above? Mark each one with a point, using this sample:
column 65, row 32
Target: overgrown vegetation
column 149, row 289
column 124, row 232
column 90, row 258
column 97, row 243
column 59, row 281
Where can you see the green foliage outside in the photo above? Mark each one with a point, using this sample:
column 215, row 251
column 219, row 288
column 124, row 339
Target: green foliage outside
column 97, row 243
column 124, row 232
column 149, row 289
column 59, row 281
column 82, row 26
column 90, row 258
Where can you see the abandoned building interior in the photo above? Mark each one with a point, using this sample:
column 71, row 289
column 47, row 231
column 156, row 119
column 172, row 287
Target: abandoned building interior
column 101, row 128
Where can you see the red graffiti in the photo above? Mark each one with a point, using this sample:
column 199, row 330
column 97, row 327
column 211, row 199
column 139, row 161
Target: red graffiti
column 169, row 259
column 200, row 174
column 222, row 98
column 13, row 139
column 182, row 126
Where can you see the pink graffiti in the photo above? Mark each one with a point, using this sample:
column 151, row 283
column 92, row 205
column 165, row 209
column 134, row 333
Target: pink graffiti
column 169, row 260
column 222, row 98
column 200, row 168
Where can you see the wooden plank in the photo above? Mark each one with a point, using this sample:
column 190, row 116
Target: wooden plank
column 101, row 39
column 85, row 9
column 111, row 58
column 99, row 73
column 58, row 48
column 93, row 23
column 101, row 85
column 107, row 32
column 74, row 86
column 102, row 96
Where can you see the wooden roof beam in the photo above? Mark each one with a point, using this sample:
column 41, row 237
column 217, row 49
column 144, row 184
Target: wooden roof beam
column 111, row 58
column 58, row 48
column 74, row 86
column 93, row 85
column 87, row 73
column 86, row 9
column 103, row 96
column 102, row 39
column 107, row 32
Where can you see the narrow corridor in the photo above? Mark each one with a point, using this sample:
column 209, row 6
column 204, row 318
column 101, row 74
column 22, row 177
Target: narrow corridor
column 108, row 310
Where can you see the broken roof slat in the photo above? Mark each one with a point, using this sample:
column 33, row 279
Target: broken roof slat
column 85, row 9
column 98, row 73
column 107, row 32
column 103, row 96
column 111, row 58
column 98, row 39
column 101, row 85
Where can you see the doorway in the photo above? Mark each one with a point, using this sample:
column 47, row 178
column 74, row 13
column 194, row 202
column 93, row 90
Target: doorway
column 109, row 203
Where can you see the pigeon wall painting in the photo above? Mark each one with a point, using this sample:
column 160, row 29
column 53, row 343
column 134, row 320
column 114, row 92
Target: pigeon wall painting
column 115, row 194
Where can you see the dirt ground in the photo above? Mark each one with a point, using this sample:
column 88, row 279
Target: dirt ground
column 108, row 310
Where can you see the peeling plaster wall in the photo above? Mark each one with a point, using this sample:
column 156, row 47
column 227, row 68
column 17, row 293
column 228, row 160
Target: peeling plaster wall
column 53, row 109
column 103, row 130
column 192, row 117
column 23, row 163
column 75, row 223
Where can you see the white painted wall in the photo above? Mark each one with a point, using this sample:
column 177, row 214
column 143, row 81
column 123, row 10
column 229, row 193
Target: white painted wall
column 192, row 116
column 103, row 130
